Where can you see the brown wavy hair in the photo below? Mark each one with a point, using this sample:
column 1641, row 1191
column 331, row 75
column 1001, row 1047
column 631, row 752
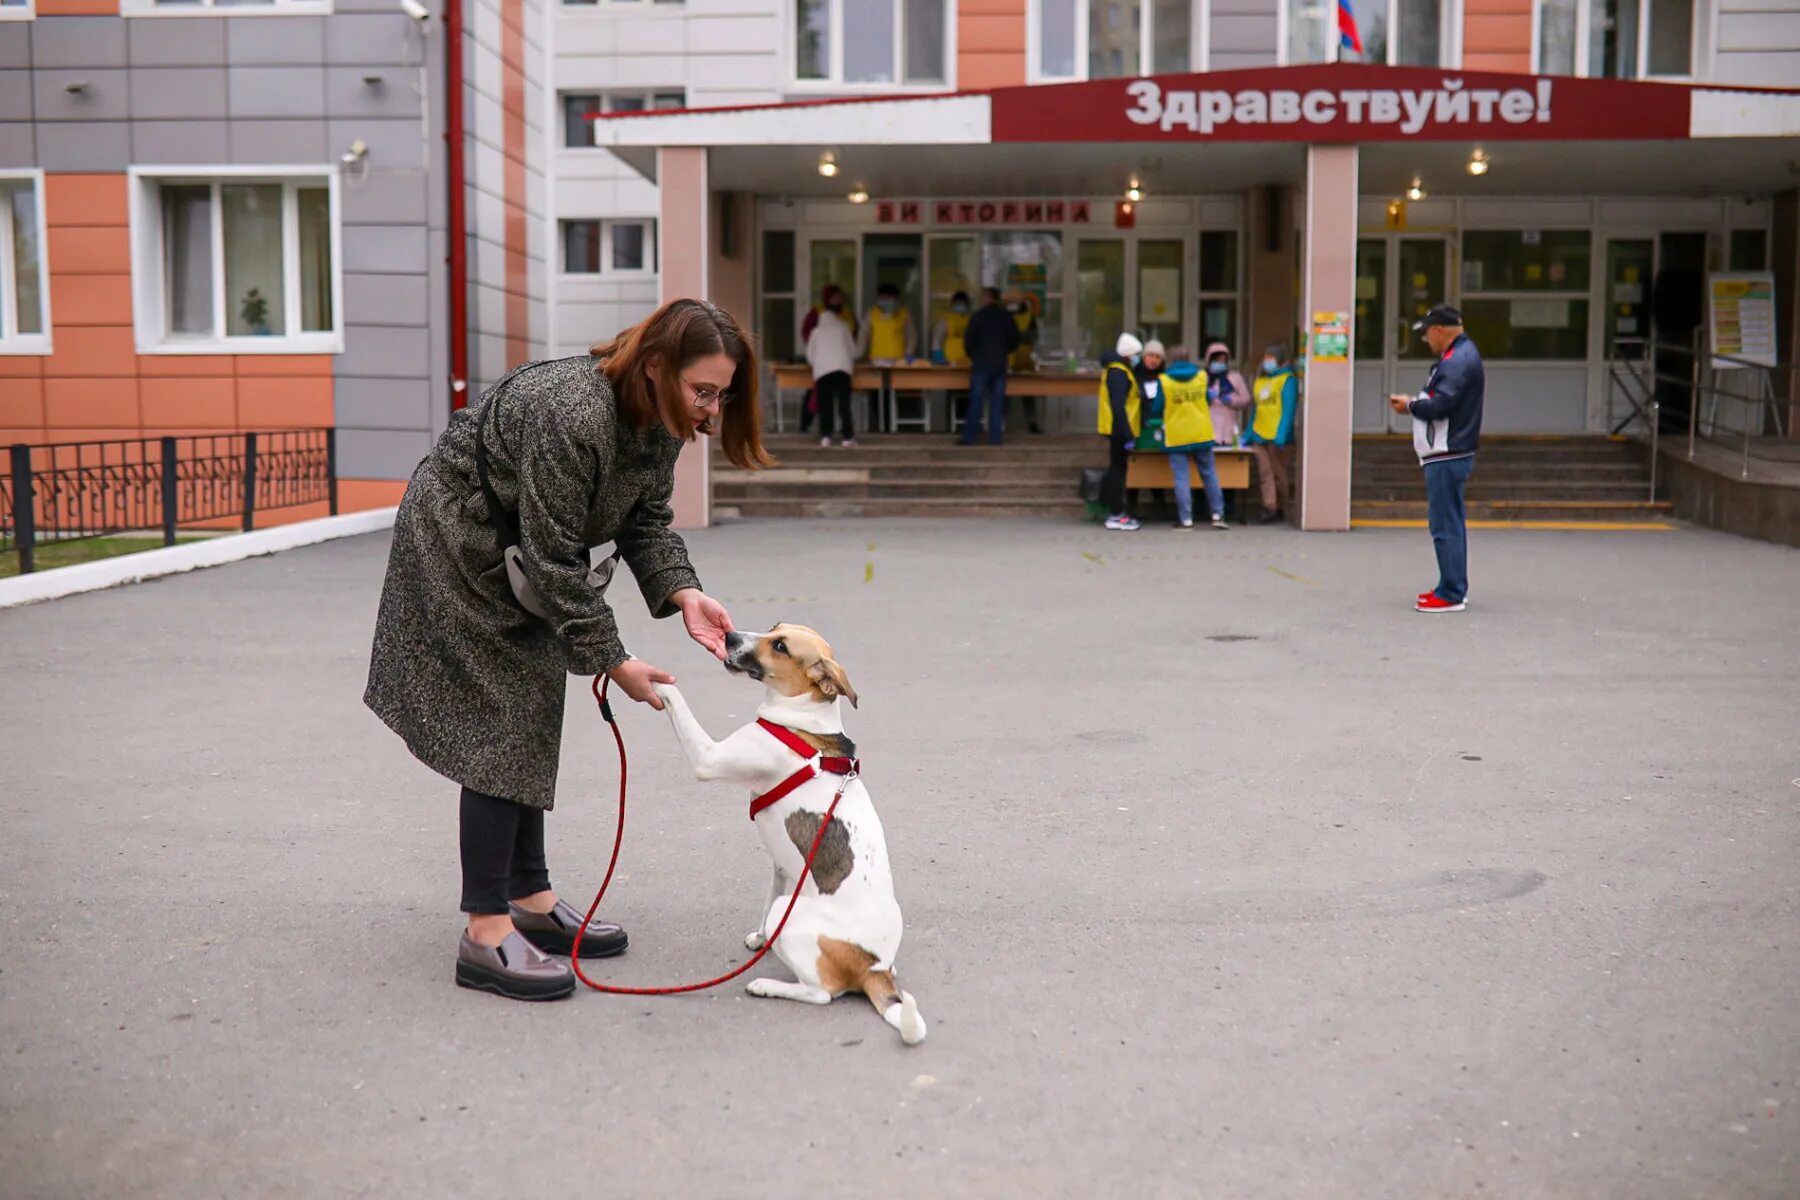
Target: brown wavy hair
column 672, row 338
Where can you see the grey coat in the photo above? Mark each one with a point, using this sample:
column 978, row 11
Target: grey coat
column 472, row 681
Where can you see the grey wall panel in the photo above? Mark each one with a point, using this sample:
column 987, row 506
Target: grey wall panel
column 384, row 299
column 349, row 94
column 388, row 37
column 385, row 249
column 15, row 95
column 185, row 142
column 382, row 404
column 1227, row 61
column 276, row 41
column 18, row 146
column 279, row 142
column 75, row 41
column 84, row 145
column 385, row 196
column 167, row 93
column 277, row 91
column 380, row 453
column 385, row 352
column 189, row 42
column 15, row 47
column 106, row 94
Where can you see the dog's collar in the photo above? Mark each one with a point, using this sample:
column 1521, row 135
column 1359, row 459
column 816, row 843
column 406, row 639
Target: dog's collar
column 815, row 764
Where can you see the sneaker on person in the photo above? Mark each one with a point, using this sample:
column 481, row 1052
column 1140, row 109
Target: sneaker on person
column 1218, row 521
column 1427, row 596
column 824, row 443
column 1189, row 525
column 1122, row 522
column 847, row 444
column 1130, row 525
column 1431, row 602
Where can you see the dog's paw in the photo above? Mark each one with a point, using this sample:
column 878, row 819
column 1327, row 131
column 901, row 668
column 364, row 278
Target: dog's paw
column 664, row 691
column 754, row 940
column 765, row 988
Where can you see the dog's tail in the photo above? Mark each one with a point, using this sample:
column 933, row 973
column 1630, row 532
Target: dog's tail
column 896, row 1007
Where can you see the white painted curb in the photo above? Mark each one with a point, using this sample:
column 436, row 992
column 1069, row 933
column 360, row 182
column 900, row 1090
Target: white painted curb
column 190, row 556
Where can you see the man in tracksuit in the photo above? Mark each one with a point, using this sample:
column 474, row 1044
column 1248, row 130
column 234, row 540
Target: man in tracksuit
column 1446, row 432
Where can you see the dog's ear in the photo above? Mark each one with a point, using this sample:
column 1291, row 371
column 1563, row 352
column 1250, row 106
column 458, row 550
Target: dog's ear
column 829, row 678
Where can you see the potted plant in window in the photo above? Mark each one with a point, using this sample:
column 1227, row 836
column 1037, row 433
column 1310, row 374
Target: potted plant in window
column 255, row 312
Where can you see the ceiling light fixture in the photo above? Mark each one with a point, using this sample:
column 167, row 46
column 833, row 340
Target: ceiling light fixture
column 1478, row 162
column 828, row 164
column 859, row 196
column 1135, row 192
column 1417, row 190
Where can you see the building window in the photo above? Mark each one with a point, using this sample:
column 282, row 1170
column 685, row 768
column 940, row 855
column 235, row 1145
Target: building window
column 614, row 3
column 17, row 10
column 1616, row 39
column 1114, row 39
column 779, row 329
column 610, row 248
column 1219, row 287
column 24, row 280
column 239, row 263
column 580, row 108
column 1525, row 293
column 1395, row 33
column 890, row 43
column 222, row 8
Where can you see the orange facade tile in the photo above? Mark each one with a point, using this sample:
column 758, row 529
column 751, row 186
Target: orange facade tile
column 284, row 403
column 22, row 402
column 989, row 34
column 90, row 350
column 258, row 366
column 1497, row 35
column 92, row 433
column 989, row 70
column 85, row 200
column 186, row 366
column 90, row 250
column 21, row 366
column 91, row 404
column 90, row 299
column 199, row 403
column 31, row 435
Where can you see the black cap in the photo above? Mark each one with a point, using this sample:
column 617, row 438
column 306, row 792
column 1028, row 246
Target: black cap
column 1443, row 314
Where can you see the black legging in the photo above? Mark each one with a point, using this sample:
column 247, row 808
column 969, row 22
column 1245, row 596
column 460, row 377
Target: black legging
column 1112, row 488
column 502, row 853
column 834, row 400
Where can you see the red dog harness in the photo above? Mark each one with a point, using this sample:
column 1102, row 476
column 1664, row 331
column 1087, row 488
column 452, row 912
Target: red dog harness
column 815, row 763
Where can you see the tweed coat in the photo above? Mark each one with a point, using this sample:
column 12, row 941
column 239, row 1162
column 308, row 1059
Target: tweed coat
column 460, row 670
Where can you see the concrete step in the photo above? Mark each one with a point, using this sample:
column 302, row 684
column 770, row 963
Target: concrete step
column 961, row 474
column 1066, row 510
column 1557, row 489
column 1514, row 510
column 899, row 490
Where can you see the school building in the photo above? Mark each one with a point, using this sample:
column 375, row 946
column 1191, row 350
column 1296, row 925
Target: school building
column 309, row 211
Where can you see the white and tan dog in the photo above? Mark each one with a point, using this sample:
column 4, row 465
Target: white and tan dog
column 846, row 927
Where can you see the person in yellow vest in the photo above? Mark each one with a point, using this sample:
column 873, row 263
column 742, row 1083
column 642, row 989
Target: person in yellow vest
column 1024, row 314
column 947, row 347
column 1277, row 395
column 888, row 340
column 1188, row 437
column 1120, row 404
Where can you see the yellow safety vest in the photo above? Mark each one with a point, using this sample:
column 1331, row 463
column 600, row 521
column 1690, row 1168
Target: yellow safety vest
column 955, row 352
column 1133, row 402
column 1268, row 392
column 1024, row 357
column 1187, row 419
column 887, row 333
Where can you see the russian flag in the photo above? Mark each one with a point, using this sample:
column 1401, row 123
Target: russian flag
column 1348, row 37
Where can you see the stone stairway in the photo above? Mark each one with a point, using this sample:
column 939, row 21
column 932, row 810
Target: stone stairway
column 912, row 475
column 1516, row 479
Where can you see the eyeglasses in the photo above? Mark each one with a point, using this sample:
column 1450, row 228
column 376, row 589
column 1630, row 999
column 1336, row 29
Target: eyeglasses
column 705, row 395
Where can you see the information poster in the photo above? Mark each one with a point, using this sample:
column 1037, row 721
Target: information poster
column 1331, row 337
column 1159, row 295
column 1741, row 310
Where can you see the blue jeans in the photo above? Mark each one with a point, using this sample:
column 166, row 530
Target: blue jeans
column 1184, row 486
column 1444, row 483
column 987, row 388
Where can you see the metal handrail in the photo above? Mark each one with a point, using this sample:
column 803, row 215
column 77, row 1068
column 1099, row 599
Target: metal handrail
column 1701, row 379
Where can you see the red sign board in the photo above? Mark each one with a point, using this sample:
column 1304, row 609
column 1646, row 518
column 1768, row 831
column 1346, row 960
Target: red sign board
column 983, row 212
column 1342, row 102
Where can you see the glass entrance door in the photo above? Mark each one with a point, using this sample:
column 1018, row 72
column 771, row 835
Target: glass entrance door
column 1399, row 279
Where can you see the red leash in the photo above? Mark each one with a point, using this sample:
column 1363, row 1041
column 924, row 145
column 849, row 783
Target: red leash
column 601, row 686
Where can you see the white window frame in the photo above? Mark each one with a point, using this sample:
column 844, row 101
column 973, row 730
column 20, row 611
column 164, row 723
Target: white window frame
column 835, row 54
column 1199, row 37
column 593, row 6
column 19, row 12
column 652, row 249
column 223, row 8
column 11, row 340
column 149, row 286
column 1699, row 22
column 606, row 97
column 1450, row 48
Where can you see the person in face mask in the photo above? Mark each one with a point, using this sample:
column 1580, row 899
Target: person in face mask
column 888, row 337
column 1272, row 428
column 1226, row 392
column 1024, row 358
column 831, row 299
column 1188, row 438
column 831, row 352
column 948, row 348
column 1121, row 401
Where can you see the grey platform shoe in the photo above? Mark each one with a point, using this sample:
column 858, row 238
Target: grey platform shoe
column 515, row 969
column 554, row 932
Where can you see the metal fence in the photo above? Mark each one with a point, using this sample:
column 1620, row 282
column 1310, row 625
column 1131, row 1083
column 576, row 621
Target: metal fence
column 67, row 491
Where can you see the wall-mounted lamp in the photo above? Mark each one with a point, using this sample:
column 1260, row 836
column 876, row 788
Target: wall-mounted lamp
column 76, row 87
column 1478, row 162
column 859, row 196
column 1417, row 190
column 358, row 151
column 1135, row 191
column 828, row 164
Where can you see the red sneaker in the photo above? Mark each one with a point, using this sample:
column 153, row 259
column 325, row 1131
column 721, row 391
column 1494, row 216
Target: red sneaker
column 1431, row 602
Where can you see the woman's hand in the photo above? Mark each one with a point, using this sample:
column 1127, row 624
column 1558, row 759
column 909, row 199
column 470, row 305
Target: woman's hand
column 706, row 620
column 638, row 679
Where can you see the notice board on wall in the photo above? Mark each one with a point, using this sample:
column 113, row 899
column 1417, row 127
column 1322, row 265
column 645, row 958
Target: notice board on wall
column 1740, row 314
